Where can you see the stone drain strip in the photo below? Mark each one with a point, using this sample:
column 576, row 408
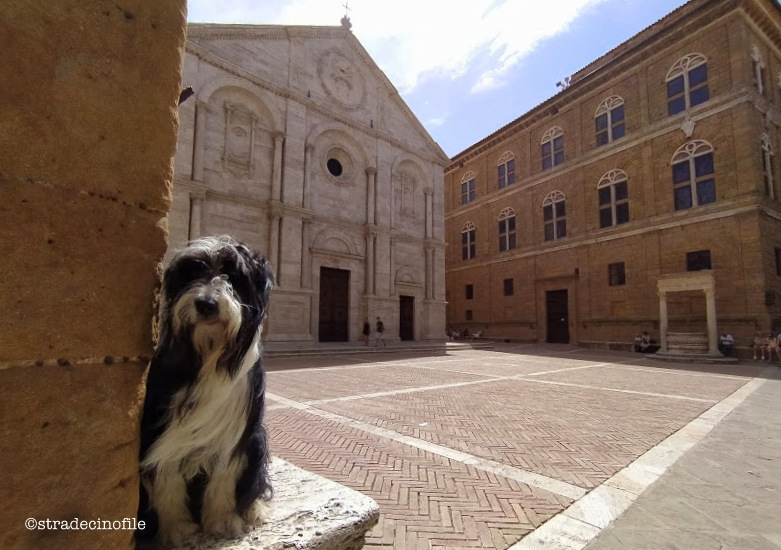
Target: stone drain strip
column 584, row 519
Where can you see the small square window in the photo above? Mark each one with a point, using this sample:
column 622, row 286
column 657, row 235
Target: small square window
column 508, row 287
column 616, row 274
column 697, row 261
column 468, row 314
column 470, row 292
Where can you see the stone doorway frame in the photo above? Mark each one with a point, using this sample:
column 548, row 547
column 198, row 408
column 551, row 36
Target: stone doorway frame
column 680, row 282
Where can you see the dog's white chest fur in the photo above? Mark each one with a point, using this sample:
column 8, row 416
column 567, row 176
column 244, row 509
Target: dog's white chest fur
column 207, row 420
column 205, row 432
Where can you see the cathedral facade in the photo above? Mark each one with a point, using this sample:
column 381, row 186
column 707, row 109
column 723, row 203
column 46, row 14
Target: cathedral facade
column 643, row 196
column 297, row 144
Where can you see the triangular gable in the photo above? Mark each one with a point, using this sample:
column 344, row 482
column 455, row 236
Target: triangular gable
column 326, row 66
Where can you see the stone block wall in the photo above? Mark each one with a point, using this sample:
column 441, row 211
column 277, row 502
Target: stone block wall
column 87, row 133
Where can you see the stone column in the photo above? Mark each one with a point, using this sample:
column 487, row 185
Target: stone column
column 370, row 240
column 429, row 273
column 276, row 177
column 429, row 214
column 196, row 216
column 199, row 139
column 392, row 273
column 663, row 321
column 273, row 244
column 371, row 193
column 308, row 151
column 713, row 336
column 306, row 254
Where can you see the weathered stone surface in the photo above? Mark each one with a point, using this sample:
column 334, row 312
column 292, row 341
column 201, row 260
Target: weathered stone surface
column 309, row 512
column 89, row 95
column 80, row 277
column 68, row 449
column 87, row 134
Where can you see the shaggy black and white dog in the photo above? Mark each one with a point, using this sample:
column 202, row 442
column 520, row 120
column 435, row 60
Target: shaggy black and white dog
column 204, row 451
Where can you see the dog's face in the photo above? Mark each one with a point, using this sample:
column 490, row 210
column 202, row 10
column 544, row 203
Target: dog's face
column 215, row 292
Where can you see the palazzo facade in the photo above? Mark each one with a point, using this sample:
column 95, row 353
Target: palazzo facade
column 585, row 220
column 297, row 144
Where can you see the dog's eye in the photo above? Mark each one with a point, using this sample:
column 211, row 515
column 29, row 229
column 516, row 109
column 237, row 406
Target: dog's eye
column 193, row 268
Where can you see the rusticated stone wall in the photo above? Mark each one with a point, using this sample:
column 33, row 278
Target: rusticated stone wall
column 88, row 126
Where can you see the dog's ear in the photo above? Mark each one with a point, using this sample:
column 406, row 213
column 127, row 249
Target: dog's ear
column 261, row 271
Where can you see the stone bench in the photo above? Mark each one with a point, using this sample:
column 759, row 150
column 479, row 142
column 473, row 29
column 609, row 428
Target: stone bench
column 309, row 512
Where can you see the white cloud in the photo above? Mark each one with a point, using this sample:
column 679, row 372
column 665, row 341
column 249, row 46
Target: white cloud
column 410, row 39
column 439, row 121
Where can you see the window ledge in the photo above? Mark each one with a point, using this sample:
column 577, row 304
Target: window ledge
column 308, row 512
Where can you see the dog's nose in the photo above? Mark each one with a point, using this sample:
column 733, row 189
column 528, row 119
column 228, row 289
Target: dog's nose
column 207, row 307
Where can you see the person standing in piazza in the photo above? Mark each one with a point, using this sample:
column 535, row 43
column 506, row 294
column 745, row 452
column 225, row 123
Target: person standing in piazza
column 380, row 328
column 366, row 331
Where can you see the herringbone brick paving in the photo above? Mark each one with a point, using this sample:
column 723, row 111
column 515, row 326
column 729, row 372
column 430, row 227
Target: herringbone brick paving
column 424, row 498
column 581, row 435
column 323, row 384
column 570, row 434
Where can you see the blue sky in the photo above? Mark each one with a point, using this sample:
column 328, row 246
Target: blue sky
column 465, row 71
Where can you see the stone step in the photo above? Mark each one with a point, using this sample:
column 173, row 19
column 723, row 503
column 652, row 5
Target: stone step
column 308, row 512
column 287, row 349
column 691, row 358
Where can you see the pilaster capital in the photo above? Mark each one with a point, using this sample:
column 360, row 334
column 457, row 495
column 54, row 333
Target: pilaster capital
column 278, row 136
column 309, row 148
column 371, row 170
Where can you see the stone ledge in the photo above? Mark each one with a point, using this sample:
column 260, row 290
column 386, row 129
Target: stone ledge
column 308, row 512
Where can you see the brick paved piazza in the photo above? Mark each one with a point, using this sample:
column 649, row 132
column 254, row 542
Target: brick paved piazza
column 477, row 448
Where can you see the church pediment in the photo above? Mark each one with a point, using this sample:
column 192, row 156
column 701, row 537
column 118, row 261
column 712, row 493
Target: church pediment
column 324, row 67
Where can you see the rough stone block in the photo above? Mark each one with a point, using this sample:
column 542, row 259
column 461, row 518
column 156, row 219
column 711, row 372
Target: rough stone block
column 75, row 96
column 69, row 449
column 80, row 279
column 309, row 512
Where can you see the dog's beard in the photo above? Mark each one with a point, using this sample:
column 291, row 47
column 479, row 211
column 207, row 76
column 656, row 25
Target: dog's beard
column 213, row 332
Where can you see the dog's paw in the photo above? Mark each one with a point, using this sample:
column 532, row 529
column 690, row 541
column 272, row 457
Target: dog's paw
column 174, row 534
column 258, row 513
column 229, row 525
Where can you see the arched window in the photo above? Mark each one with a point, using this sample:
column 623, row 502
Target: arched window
column 554, row 215
column 506, row 169
column 758, row 69
column 468, row 188
column 609, row 120
column 552, row 147
column 693, row 181
column 507, row 230
column 468, row 241
column 613, row 199
column 767, row 166
column 687, row 83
